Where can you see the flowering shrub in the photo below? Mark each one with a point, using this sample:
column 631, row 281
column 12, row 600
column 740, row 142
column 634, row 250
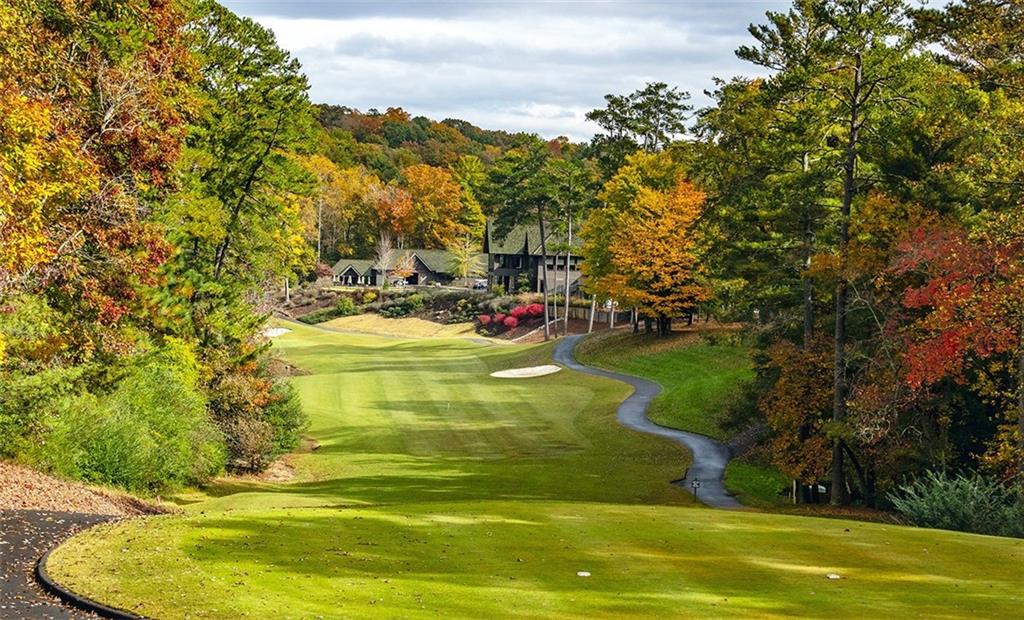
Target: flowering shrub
column 511, row 322
column 484, row 319
column 499, row 317
column 519, row 312
column 535, row 310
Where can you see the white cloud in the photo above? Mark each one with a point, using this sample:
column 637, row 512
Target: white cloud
column 536, row 67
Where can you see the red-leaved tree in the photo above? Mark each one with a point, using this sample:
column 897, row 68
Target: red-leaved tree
column 972, row 300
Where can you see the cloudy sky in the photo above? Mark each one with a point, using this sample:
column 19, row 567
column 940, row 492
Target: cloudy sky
column 533, row 66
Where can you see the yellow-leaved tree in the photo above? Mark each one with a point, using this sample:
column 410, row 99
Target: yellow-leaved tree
column 652, row 260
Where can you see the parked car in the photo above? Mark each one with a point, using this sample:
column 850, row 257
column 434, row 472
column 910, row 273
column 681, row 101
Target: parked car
column 480, row 285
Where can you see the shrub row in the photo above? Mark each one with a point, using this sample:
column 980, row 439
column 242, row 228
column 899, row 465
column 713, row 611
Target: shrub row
column 963, row 502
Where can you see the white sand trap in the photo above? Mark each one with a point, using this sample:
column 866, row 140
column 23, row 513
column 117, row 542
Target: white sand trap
column 532, row 371
column 274, row 332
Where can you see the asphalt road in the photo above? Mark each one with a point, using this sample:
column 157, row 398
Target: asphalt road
column 25, row 535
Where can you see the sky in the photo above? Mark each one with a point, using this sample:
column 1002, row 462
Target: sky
column 520, row 66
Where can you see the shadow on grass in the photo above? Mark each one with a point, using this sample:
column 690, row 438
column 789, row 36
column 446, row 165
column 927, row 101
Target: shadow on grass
column 640, row 565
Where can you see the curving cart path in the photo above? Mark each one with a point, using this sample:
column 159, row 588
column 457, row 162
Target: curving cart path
column 709, row 455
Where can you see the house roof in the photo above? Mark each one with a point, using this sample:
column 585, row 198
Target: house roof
column 437, row 261
column 361, row 267
column 524, row 240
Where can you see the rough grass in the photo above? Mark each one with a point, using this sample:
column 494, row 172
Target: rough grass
column 697, row 378
column 440, row 492
column 755, row 484
column 409, row 327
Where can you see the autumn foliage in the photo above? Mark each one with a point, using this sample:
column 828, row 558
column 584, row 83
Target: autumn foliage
column 970, row 325
column 649, row 252
column 796, row 408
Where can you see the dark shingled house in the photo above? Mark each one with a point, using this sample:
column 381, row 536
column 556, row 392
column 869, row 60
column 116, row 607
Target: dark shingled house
column 516, row 259
column 426, row 266
column 354, row 272
column 513, row 262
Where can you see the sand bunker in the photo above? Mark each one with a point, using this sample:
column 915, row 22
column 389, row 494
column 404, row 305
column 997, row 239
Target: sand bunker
column 532, row 371
column 274, row 332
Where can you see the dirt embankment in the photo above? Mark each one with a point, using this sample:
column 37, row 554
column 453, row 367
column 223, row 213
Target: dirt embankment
column 22, row 488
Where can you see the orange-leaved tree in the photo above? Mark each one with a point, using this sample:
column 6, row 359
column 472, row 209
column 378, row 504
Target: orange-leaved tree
column 394, row 209
column 653, row 253
column 797, row 408
column 437, row 206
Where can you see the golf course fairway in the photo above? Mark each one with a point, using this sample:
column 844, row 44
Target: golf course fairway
column 438, row 491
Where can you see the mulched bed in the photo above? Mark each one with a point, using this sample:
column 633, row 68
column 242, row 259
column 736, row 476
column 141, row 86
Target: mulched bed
column 25, row 535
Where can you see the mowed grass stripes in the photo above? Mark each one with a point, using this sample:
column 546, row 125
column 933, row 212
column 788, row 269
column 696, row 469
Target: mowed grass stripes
column 438, row 491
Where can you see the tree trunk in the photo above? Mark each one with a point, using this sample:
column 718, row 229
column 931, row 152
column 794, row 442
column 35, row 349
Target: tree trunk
column 839, row 369
column 865, row 478
column 544, row 272
column 1020, row 400
column 319, row 227
column 554, row 304
column 808, row 297
column 635, row 318
column 568, row 257
column 221, row 253
column 593, row 310
column 808, row 282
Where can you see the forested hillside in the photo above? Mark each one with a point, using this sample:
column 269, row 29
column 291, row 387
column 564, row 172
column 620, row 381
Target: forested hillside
column 385, row 142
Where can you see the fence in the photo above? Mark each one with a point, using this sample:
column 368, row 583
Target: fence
column 601, row 316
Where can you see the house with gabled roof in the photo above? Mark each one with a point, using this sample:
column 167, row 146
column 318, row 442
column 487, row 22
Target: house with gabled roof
column 418, row 267
column 354, row 272
column 514, row 260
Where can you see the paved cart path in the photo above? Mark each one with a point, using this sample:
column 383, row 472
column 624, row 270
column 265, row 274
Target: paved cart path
column 709, row 455
column 24, row 536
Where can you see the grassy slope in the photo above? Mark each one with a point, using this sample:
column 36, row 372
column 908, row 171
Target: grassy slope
column 438, row 490
column 696, row 378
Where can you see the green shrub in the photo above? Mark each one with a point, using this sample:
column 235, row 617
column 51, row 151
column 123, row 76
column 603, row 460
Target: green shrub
column 399, row 306
column 28, row 405
column 967, row 503
column 285, row 416
column 499, row 304
column 150, row 433
column 260, row 417
column 346, row 307
column 369, row 296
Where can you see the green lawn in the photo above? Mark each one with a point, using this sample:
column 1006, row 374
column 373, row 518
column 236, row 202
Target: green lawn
column 438, row 491
column 698, row 378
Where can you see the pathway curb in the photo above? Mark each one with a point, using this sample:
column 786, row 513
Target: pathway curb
column 75, row 600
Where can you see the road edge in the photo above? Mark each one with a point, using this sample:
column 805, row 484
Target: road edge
column 75, row 600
